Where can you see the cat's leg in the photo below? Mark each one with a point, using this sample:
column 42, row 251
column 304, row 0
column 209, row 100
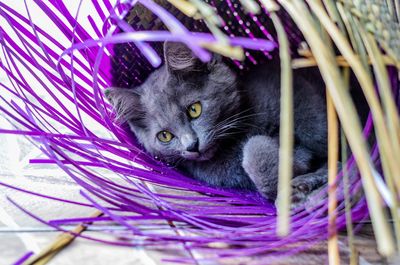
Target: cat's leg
column 261, row 163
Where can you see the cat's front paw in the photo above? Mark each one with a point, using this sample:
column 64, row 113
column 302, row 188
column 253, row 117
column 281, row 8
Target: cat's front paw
column 260, row 161
column 306, row 187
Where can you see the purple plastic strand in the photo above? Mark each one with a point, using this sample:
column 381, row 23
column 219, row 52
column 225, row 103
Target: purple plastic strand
column 146, row 49
column 45, row 196
column 99, row 10
column 40, row 81
column 34, row 38
column 80, row 34
column 23, row 258
column 67, row 32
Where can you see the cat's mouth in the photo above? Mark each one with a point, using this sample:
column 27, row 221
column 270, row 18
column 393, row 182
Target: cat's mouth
column 191, row 155
column 200, row 156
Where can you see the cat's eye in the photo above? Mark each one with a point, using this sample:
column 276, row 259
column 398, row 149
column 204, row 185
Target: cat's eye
column 194, row 110
column 165, row 136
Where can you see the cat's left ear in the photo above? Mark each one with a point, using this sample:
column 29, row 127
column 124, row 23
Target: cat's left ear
column 126, row 103
column 180, row 58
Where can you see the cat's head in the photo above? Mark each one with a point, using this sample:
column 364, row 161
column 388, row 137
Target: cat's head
column 183, row 108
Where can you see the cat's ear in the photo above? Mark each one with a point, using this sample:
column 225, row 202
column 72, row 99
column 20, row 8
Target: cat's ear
column 179, row 58
column 126, row 103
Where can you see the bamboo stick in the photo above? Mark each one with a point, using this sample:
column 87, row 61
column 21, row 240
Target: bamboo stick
column 352, row 32
column 346, row 22
column 270, row 5
column 397, row 7
column 59, row 244
column 340, row 60
column 286, row 132
column 200, row 10
column 346, row 184
column 185, row 7
column 333, row 143
column 250, row 6
column 334, row 13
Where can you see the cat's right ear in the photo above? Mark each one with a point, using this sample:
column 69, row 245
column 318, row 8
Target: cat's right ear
column 126, row 103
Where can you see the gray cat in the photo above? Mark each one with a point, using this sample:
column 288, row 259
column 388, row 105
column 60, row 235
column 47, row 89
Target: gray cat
column 222, row 127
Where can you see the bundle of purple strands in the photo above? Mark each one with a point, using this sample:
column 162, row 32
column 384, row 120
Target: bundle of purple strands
column 146, row 189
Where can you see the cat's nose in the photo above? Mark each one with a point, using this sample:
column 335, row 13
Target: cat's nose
column 194, row 146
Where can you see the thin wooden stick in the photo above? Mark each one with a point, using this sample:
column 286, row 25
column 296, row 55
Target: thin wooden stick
column 270, row 5
column 334, row 13
column 352, row 32
column 346, row 21
column 186, row 8
column 340, row 60
column 59, row 244
column 397, row 7
column 250, row 6
column 200, row 10
column 346, row 185
column 347, row 203
column 286, row 132
column 333, row 143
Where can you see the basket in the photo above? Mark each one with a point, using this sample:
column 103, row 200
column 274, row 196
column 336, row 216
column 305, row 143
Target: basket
column 65, row 115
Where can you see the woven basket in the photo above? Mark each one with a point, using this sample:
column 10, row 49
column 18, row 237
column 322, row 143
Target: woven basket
column 221, row 225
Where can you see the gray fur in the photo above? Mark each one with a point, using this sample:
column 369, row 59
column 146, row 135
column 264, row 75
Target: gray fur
column 238, row 129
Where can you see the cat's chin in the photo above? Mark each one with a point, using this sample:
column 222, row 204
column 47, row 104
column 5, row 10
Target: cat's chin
column 191, row 155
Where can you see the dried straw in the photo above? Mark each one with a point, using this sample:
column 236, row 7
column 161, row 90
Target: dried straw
column 333, row 157
column 387, row 137
column 344, row 105
column 346, row 185
column 286, row 137
column 58, row 245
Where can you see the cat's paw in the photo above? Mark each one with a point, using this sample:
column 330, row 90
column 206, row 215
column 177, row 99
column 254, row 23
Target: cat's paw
column 260, row 161
column 307, row 197
column 305, row 189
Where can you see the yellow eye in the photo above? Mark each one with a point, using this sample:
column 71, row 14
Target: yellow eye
column 165, row 136
column 194, row 110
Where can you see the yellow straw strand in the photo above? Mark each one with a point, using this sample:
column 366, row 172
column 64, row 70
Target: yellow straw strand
column 185, row 7
column 59, row 244
column 333, row 143
column 286, row 132
column 346, row 184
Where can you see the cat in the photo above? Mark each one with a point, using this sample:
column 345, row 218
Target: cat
column 222, row 127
